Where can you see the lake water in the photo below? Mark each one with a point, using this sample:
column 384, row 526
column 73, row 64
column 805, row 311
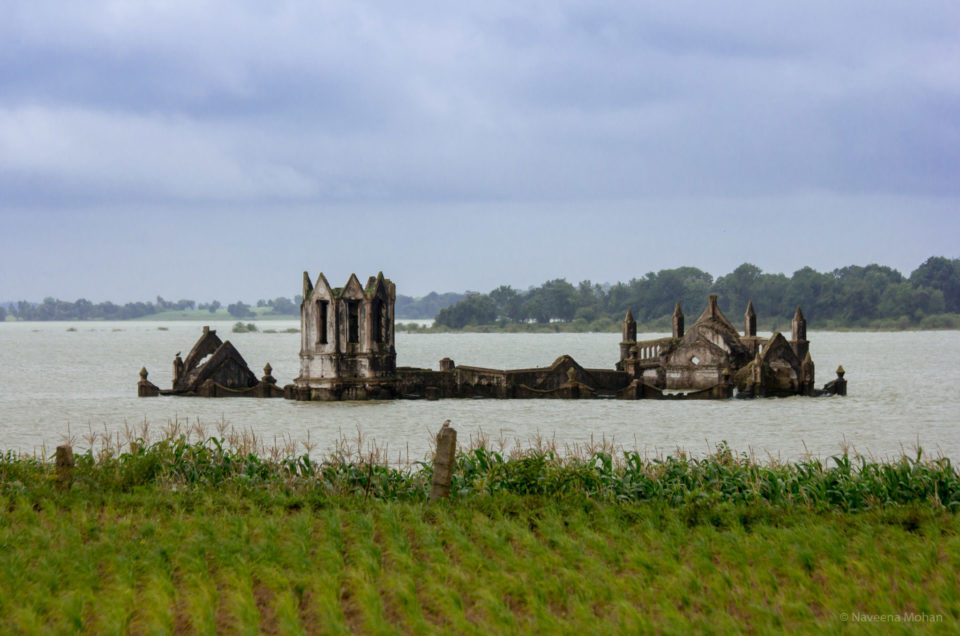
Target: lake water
column 904, row 389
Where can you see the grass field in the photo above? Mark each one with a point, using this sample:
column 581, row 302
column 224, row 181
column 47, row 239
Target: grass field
column 206, row 536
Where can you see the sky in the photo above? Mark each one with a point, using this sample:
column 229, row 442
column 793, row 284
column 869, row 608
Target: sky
column 216, row 149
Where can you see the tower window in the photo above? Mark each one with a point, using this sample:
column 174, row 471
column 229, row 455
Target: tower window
column 322, row 321
column 377, row 309
column 353, row 321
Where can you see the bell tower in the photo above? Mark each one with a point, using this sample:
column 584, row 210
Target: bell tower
column 347, row 348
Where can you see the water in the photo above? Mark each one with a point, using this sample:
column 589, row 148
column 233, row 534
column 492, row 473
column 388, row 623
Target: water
column 904, row 390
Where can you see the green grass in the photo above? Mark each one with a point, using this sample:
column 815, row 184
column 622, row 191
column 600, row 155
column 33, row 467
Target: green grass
column 261, row 313
column 204, row 562
column 220, row 535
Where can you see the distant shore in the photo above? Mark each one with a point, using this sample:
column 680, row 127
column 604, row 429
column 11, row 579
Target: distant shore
column 415, row 326
column 950, row 323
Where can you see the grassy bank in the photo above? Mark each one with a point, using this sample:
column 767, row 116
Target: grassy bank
column 260, row 313
column 201, row 536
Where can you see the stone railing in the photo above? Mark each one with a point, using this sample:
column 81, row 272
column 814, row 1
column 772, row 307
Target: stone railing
column 649, row 350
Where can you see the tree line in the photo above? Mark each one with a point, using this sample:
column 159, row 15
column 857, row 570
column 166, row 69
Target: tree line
column 407, row 307
column 853, row 296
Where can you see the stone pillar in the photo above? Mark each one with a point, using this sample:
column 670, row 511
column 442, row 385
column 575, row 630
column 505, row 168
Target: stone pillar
column 750, row 321
column 443, row 462
column 713, row 308
column 145, row 388
column 756, row 374
column 389, row 315
column 807, row 371
column 367, row 339
column 629, row 335
column 447, row 364
column 629, row 327
column 678, row 322
column 177, row 370
column 841, row 384
column 799, row 342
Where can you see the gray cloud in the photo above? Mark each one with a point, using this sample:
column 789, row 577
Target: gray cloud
column 347, row 101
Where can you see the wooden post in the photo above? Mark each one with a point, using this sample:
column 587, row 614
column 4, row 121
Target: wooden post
column 443, row 462
column 64, row 465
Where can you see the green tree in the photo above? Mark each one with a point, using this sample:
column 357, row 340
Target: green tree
column 284, row 307
column 214, row 306
column 475, row 309
column 817, row 293
column 508, row 302
column 860, row 290
column 240, row 309
column 738, row 288
column 942, row 274
column 903, row 299
column 558, row 299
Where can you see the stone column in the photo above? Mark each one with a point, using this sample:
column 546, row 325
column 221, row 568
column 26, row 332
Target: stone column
column 678, row 322
column 367, row 339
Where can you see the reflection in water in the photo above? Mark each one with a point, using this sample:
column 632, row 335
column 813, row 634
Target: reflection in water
column 903, row 390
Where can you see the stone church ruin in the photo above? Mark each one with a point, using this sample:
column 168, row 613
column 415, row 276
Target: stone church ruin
column 348, row 352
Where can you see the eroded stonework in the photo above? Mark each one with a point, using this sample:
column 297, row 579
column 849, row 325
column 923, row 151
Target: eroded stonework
column 347, row 340
column 213, row 368
column 347, row 352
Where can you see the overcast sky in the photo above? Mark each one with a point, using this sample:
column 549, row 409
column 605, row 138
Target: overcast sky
column 217, row 149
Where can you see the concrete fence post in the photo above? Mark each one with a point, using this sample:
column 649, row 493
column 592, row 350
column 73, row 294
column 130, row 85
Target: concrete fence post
column 64, row 465
column 443, row 462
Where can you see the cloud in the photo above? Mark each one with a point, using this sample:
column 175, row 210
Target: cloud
column 492, row 101
column 142, row 157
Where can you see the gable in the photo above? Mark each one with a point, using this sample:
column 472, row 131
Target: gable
column 352, row 290
column 322, row 290
column 205, row 345
column 778, row 352
column 225, row 367
column 698, row 350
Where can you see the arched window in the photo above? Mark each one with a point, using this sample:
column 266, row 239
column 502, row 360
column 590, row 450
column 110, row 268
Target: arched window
column 322, row 313
column 353, row 321
column 377, row 320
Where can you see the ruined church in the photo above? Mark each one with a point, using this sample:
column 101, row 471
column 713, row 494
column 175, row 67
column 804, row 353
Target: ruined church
column 348, row 352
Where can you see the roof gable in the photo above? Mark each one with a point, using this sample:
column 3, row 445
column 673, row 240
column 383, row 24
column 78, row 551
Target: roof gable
column 321, row 290
column 352, row 290
column 777, row 348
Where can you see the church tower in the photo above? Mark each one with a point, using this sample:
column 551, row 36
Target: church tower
column 347, row 348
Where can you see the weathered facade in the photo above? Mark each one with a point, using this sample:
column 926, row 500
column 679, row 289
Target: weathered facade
column 347, row 347
column 347, row 352
column 712, row 352
column 213, row 368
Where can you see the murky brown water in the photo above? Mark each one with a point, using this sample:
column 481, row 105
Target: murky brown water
column 904, row 389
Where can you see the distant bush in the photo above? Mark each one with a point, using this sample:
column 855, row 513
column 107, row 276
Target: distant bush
column 941, row 321
column 240, row 327
column 240, row 309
